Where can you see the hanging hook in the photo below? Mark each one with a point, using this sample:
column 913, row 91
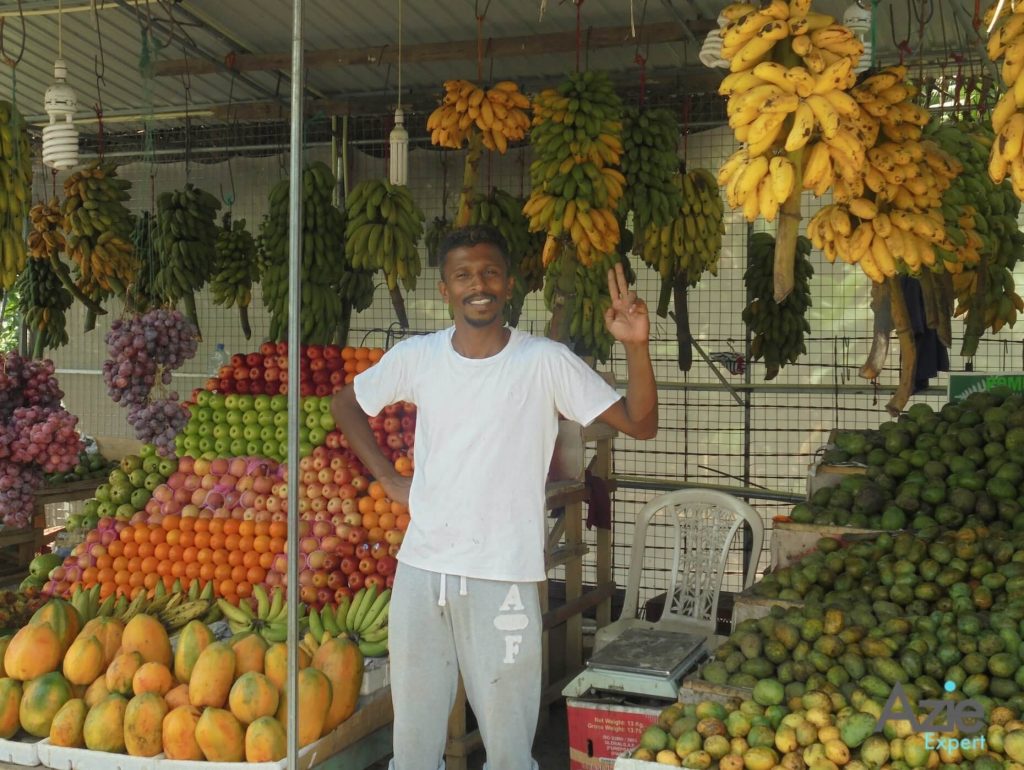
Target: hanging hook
column 9, row 61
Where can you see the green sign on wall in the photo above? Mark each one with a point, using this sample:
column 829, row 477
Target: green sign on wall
column 963, row 384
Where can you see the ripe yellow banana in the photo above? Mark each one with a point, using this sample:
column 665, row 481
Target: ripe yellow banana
column 783, row 177
column 803, row 127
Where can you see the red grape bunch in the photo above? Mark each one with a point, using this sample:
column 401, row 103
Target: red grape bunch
column 140, row 351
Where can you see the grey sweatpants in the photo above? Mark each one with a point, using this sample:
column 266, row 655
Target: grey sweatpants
column 490, row 631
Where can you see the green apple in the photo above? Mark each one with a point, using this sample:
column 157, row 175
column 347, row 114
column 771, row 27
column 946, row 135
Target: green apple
column 305, row 449
column 124, row 511
column 191, row 428
column 205, row 429
column 205, row 445
column 278, row 403
column 253, row 447
column 117, row 477
column 235, row 431
column 167, row 467
column 205, row 414
column 311, row 404
column 265, row 418
column 245, row 402
column 221, row 446
column 303, row 433
column 137, row 477
column 267, row 433
column 312, row 420
column 317, row 436
column 147, row 450
column 217, row 402
column 281, row 434
column 261, row 403
column 219, row 416
column 325, row 405
column 130, row 463
column 140, row 497
column 209, row 455
column 190, row 443
column 250, row 417
column 234, row 417
column 327, row 422
column 220, row 431
column 281, row 418
column 150, row 464
column 231, row 401
column 251, row 432
column 153, row 480
column 237, row 447
column 203, row 397
column 270, row 449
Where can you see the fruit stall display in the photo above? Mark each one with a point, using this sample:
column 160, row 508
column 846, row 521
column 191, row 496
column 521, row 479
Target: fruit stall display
column 84, row 676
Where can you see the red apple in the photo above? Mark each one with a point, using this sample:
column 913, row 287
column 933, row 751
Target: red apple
column 394, row 441
column 367, row 566
column 342, row 592
column 358, row 535
column 408, row 423
column 392, row 410
column 356, row 580
column 360, row 483
column 409, row 438
column 237, row 361
column 308, row 594
column 390, row 581
column 392, row 425
column 393, row 550
column 375, row 580
column 363, row 550
column 348, row 564
column 386, row 565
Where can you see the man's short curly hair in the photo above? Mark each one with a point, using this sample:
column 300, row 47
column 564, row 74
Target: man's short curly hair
column 473, row 235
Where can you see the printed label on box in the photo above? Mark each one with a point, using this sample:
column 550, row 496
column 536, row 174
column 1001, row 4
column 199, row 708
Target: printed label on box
column 598, row 733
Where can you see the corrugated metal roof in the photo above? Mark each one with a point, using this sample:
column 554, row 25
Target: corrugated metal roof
column 214, row 29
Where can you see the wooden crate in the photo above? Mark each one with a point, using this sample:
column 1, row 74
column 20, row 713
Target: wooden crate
column 790, row 541
column 746, row 606
column 17, row 548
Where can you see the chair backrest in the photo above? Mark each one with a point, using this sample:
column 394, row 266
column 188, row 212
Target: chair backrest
column 703, row 524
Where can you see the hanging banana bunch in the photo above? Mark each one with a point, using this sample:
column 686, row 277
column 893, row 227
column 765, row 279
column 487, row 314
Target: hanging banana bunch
column 45, row 237
column 790, row 71
column 577, row 296
column 650, row 164
column 145, row 293
column 323, row 263
column 235, row 269
column 1006, row 155
column 575, row 183
column 778, row 328
column 16, row 178
column 98, row 229
column 504, row 212
column 384, row 226
column 896, row 222
column 498, row 113
column 44, row 302
column 436, row 232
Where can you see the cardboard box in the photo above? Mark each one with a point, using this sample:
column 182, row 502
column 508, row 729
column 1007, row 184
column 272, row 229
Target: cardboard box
column 601, row 730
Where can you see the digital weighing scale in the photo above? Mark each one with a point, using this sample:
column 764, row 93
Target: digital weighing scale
column 642, row 661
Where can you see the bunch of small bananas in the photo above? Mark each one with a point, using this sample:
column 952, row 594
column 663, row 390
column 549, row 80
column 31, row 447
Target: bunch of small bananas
column 384, row 226
column 174, row 608
column 186, row 242
column 45, row 237
column 15, row 189
column 1006, row 158
column 576, row 186
column 504, row 212
column 498, row 113
column 98, row 228
column 986, row 295
column 436, row 231
column 897, row 221
column 650, row 165
column 44, row 301
column 691, row 242
column 235, row 270
column 778, row 328
column 144, row 292
column 323, row 264
column 577, row 296
column 757, row 185
column 269, row 618
column 363, row 618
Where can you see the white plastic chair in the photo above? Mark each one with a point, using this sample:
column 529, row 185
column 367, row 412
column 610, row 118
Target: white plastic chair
column 703, row 524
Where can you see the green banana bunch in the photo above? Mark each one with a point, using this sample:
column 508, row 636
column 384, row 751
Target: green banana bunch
column 144, row 291
column 504, row 212
column 44, row 300
column 650, row 163
column 384, row 226
column 577, row 297
column 778, row 329
column 363, row 618
column 269, row 618
column 435, row 233
column 98, row 228
column 323, row 265
column 691, row 242
column 981, row 219
column 235, row 269
column 15, row 189
column 186, row 242
column 356, row 287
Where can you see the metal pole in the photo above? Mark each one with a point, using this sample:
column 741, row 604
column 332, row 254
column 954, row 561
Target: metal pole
column 294, row 377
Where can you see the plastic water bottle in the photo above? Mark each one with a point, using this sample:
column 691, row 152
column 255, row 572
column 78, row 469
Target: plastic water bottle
column 218, row 358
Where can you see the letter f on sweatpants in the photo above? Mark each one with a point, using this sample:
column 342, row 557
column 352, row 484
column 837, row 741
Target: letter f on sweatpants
column 491, row 631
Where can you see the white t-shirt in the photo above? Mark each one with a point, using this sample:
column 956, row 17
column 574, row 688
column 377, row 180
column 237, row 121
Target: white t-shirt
column 485, row 433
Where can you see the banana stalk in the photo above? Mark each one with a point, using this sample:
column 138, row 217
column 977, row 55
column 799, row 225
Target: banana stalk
column 399, row 304
column 190, row 310
column 682, row 319
column 65, row 278
column 474, row 151
column 243, row 318
column 789, row 211
column 344, row 322
column 881, row 306
column 564, row 301
column 974, row 328
column 908, row 349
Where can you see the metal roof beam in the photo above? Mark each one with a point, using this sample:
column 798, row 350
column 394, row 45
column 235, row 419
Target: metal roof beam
column 462, row 50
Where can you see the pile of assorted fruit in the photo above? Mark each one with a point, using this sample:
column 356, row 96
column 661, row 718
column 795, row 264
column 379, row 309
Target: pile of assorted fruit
column 121, row 684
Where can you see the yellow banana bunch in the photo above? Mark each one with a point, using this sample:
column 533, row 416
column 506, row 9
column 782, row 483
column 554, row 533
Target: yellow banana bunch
column 16, row 179
column 98, row 229
column 1006, row 159
column 45, row 238
column 498, row 113
column 757, row 185
column 575, row 183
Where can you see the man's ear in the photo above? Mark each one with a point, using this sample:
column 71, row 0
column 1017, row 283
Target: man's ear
column 442, row 287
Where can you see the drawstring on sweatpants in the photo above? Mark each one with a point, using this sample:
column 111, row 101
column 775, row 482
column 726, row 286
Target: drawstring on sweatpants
column 442, row 594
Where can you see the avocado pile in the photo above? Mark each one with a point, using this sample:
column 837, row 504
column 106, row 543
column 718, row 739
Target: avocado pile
column 819, row 730
column 913, row 574
column 961, row 466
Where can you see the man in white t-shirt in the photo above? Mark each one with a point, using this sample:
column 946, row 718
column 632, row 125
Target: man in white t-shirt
column 488, row 399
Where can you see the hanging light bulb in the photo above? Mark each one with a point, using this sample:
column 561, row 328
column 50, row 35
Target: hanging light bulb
column 857, row 19
column 398, row 165
column 60, row 137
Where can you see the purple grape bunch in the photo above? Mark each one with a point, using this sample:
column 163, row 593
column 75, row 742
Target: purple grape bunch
column 37, row 435
column 140, row 351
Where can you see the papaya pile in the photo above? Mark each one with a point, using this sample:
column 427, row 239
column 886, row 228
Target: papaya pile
column 820, row 729
column 960, row 466
column 112, row 686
